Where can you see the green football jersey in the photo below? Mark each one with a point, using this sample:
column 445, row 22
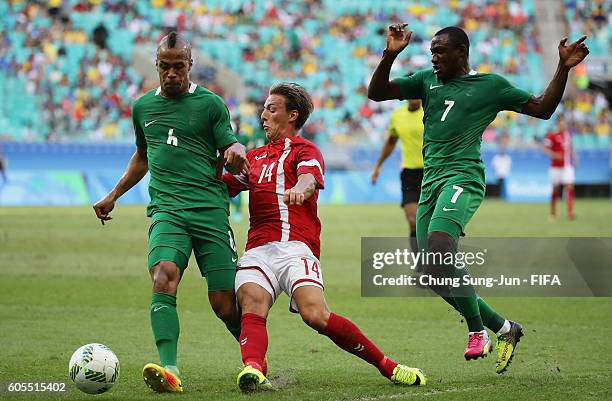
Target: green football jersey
column 456, row 115
column 182, row 137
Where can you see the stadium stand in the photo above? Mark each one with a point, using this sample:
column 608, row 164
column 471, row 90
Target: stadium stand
column 592, row 18
column 67, row 67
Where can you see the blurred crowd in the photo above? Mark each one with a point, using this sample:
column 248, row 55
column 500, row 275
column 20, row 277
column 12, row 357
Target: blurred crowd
column 75, row 59
column 592, row 18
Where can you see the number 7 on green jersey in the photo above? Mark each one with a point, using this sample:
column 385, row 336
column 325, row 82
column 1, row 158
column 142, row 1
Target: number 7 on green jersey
column 449, row 105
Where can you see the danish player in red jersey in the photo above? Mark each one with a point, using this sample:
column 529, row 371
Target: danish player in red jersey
column 558, row 145
column 282, row 251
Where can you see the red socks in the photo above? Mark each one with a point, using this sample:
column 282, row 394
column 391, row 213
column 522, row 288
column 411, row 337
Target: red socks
column 347, row 336
column 570, row 195
column 253, row 340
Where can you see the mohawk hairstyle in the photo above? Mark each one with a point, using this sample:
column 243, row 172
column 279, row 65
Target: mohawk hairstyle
column 174, row 41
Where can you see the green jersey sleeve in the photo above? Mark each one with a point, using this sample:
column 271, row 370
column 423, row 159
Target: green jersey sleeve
column 510, row 97
column 220, row 121
column 141, row 141
column 411, row 86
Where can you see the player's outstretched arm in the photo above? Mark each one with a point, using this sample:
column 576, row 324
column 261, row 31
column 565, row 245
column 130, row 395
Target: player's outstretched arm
column 136, row 169
column 570, row 56
column 303, row 190
column 384, row 154
column 380, row 88
column 235, row 160
column 552, row 154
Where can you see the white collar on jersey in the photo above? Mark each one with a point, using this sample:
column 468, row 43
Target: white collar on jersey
column 192, row 88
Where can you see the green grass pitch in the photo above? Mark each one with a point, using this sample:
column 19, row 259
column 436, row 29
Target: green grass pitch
column 65, row 281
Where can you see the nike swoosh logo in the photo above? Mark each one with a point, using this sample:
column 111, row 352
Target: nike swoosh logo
column 158, row 308
column 447, row 209
column 149, row 123
column 434, row 87
column 261, row 157
column 234, row 260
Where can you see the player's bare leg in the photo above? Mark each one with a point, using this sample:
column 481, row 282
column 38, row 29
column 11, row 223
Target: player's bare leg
column 556, row 192
column 346, row 335
column 164, row 321
column 223, row 303
column 570, row 195
column 255, row 302
column 410, row 210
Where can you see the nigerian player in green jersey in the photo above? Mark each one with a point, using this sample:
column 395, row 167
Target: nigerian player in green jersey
column 459, row 104
column 180, row 127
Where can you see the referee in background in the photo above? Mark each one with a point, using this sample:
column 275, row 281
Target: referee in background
column 406, row 125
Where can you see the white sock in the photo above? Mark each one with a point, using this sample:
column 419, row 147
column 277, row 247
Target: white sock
column 173, row 369
column 474, row 332
column 505, row 328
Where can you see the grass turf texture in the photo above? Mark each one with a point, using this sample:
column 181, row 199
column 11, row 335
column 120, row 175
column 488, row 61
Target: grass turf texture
column 65, row 281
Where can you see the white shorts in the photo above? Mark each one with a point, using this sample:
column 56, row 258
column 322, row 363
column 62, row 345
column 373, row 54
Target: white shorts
column 562, row 175
column 280, row 266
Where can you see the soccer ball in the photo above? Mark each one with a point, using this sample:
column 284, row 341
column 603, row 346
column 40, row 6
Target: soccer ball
column 94, row 368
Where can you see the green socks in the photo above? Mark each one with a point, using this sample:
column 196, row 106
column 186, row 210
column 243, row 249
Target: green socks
column 165, row 325
column 490, row 318
column 467, row 304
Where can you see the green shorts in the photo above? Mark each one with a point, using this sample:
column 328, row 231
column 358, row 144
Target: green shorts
column 447, row 207
column 206, row 231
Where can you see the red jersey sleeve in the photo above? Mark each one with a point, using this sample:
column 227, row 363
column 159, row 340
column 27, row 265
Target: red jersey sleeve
column 548, row 141
column 310, row 160
column 236, row 183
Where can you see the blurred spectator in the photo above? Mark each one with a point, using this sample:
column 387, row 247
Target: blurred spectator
column 602, row 127
column 100, row 35
column 3, row 167
column 502, row 164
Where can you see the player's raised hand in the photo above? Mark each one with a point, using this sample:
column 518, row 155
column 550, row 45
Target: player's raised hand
column 103, row 207
column 294, row 196
column 234, row 158
column 398, row 38
column 375, row 174
column 571, row 55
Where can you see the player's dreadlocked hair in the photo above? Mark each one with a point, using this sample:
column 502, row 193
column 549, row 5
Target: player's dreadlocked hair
column 174, row 40
column 457, row 36
column 296, row 98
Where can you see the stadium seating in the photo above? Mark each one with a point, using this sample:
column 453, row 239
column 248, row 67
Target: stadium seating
column 56, row 84
column 592, row 18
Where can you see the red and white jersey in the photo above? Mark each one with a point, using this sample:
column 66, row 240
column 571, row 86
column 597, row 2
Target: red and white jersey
column 560, row 142
column 275, row 167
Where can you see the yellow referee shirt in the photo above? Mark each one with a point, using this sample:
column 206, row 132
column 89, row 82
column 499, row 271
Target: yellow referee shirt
column 408, row 127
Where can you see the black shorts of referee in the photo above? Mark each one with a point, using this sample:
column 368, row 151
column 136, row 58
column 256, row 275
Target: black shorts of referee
column 411, row 185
